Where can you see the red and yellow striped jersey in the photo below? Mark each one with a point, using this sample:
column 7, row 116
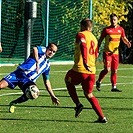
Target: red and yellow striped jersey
column 112, row 38
column 86, row 51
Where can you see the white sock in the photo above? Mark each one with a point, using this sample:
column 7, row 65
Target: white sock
column 99, row 81
column 114, row 87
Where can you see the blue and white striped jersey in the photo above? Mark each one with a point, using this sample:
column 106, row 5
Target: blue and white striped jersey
column 29, row 66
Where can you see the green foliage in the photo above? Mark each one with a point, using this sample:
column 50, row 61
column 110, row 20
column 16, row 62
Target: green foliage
column 102, row 10
column 66, row 24
column 101, row 16
column 64, row 19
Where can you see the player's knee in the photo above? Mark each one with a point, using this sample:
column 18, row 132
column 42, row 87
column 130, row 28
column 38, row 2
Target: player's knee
column 114, row 71
column 67, row 81
column 88, row 95
column 107, row 69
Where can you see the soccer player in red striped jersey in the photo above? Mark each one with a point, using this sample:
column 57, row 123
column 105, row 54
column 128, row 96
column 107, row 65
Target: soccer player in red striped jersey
column 83, row 70
column 112, row 35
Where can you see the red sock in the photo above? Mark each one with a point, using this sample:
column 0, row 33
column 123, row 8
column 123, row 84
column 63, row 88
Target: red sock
column 113, row 79
column 72, row 92
column 102, row 75
column 96, row 107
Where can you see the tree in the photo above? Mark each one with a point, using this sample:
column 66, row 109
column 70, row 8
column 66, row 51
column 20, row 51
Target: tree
column 101, row 15
column 102, row 10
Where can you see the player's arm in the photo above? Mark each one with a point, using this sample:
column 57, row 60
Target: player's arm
column 103, row 34
column 84, row 51
column 47, row 84
column 100, row 42
column 35, row 55
column 125, row 40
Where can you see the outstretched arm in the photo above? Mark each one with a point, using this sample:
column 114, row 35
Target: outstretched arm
column 35, row 55
column 125, row 40
column 55, row 100
column 100, row 41
column 103, row 34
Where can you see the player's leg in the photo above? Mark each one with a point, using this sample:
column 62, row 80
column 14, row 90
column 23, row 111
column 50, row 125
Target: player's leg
column 22, row 98
column 23, row 87
column 88, row 88
column 107, row 65
column 4, row 84
column 9, row 81
column 114, row 67
column 19, row 100
column 71, row 79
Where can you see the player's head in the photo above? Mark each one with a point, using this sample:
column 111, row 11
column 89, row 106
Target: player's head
column 113, row 19
column 86, row 24
column 51, row 50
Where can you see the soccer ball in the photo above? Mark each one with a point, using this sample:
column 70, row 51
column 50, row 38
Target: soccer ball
column 32, row 92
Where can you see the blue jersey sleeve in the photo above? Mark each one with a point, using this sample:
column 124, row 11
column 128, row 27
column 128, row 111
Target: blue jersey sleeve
column 45, row 77
column 41, row 50
column 46, row 74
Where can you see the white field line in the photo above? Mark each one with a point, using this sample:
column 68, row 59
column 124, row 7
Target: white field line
column 119, row 69
column 7, row 94
column 96, row 75
column 59, row 89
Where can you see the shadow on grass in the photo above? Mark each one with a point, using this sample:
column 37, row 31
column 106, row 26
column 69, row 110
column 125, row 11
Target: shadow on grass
column 47, row 120
column 62, row 107
column 38, row 106
column 105, row 97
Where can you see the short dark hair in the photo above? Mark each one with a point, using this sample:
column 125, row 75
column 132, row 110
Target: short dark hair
column 86, row 22
column 49, row 44
column 113, row 15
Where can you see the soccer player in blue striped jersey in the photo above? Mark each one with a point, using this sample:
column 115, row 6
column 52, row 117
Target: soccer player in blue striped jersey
column 27, row 73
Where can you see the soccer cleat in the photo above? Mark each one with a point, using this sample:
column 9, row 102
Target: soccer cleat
column 116, row 90
column 98, row 84
column 78, row 109
column 104, row 120
column 12, row 107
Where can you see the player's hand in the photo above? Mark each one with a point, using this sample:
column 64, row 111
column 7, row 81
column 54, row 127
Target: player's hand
column 129, row 45
column 87, row 67
column 55, row 100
